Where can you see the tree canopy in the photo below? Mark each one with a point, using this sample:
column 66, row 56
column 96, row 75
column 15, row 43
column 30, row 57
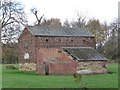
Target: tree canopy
column 12, row 18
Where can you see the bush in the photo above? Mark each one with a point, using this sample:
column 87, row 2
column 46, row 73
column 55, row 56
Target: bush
column 10, row 67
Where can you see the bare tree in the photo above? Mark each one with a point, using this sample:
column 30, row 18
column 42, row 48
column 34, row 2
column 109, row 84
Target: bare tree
column 66, row 24
column 111, row 45
column 35, row 12
column 80, row 22
column 12, row 18
column 113, row 28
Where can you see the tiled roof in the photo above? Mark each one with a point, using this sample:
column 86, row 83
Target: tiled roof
column 58, row 31
column 84, row 53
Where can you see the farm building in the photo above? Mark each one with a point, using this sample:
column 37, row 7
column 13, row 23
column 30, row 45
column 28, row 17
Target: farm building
column 59, row 50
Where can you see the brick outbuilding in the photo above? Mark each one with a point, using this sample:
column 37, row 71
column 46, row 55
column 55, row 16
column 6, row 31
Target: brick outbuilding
column 48, row 50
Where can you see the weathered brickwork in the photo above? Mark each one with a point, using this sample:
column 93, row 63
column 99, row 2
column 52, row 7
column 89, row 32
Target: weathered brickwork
column 26, row 38
column 35, row 42
column 65, row 41
column 45, row 51
column 62, row 67
column 94, row 66
column 50, row 54
column 27, row 67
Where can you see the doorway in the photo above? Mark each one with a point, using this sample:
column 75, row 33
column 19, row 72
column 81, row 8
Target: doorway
column 46, row 68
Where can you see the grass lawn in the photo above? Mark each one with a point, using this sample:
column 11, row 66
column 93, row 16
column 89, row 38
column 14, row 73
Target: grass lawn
column 0, row 76
column 23, row 79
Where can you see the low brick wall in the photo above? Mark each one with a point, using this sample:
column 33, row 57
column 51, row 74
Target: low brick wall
column 66, row 67
column 27, row 67
column 93, row 66
column 63, row 68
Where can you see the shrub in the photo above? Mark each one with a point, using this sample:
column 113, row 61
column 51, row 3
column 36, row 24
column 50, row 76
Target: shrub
column 10, row 67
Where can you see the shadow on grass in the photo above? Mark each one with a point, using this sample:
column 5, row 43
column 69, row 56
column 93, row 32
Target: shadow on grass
column 20, row 72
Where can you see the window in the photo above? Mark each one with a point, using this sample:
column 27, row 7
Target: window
column 83, row 40
column 46, row 40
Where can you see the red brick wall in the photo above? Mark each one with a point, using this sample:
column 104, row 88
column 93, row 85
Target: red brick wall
column 49, row 42
column 44, row 48
column 62, row 67
column 48, row 54
column 47, row 48
column 26, row 36
column 58, row 62
column 65, row 41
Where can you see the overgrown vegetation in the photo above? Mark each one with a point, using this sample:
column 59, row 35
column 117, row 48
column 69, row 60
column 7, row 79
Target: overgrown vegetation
column 9, row 53
column 25, row 79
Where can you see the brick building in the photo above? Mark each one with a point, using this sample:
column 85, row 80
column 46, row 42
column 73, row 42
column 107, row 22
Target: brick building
column 50, row 50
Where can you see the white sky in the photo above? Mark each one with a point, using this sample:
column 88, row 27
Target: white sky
column 104, row 10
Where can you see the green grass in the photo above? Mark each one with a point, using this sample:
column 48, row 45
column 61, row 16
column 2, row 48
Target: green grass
column 24, row 79
column 0, row 76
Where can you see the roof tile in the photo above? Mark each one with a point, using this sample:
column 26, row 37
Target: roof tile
column 58, row 31
column 84, row 53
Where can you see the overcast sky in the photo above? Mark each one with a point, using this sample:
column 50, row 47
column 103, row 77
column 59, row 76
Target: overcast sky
column 104, row 10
